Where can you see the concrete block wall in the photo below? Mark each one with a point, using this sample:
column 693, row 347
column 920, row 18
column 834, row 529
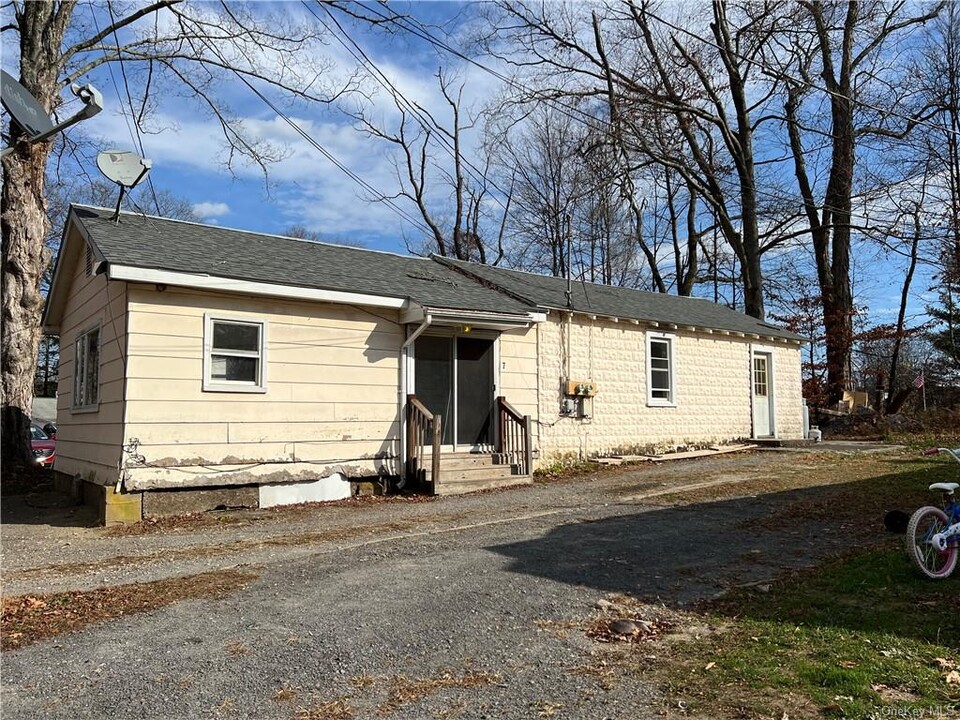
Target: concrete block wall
column 788, row 389
column 712, row 390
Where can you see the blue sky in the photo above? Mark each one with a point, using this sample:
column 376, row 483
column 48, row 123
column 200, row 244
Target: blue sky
column 186, row 148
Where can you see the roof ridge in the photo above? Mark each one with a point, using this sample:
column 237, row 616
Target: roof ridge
column 276, row 236
column 497, row 268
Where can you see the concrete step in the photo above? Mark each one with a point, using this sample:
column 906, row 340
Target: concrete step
column 461, row 487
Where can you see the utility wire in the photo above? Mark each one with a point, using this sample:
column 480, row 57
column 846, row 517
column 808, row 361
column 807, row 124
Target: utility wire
column 419, row 224
column 781, row 75
column 574, row 113
column 134, row 127
column 422, row 117
column 418, row 30
column 343, row 168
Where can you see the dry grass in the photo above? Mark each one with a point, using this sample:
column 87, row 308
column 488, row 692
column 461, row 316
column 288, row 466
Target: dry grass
column 404, row 690
column 362, row 682
column 330, row 710
column 26, row 619
column 557, row 628
column 285, row 693
column 237, row 649
column 602, row 672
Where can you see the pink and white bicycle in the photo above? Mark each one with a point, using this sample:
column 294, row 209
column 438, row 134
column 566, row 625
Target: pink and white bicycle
column 933, row 533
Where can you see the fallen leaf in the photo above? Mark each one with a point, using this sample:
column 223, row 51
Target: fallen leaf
column 710, row 666
column 847, row 664
column 944, row 663
column 952, row 677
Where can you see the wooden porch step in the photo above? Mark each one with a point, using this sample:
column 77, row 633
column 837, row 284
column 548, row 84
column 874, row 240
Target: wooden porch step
column 472, row 472
column 461, row 487
column 455, row 461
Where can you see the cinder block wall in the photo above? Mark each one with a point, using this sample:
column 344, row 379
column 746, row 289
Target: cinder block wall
column 712, row 388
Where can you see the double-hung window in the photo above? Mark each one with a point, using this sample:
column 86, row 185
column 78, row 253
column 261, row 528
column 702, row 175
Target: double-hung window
column 233, row 355
column 86, row 370
column 661, row 373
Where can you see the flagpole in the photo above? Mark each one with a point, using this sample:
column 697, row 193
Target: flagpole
column 923, row 374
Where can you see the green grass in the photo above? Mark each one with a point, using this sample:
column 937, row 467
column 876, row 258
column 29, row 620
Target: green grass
column 859, row 636
column 855, row 637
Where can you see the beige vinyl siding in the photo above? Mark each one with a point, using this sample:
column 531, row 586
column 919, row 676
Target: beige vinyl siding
column 88, row 441
column 518, row 372
column 331, row 400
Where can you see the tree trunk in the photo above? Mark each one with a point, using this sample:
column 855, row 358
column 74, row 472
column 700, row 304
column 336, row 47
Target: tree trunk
column 24, row 225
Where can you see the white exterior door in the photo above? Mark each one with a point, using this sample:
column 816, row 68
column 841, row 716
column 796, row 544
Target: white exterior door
column 762, row 396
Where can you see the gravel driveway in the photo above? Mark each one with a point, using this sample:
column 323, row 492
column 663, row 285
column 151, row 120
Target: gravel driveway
column 451, row 608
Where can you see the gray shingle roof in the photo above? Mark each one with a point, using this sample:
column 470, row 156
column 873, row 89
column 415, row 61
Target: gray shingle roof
column 550, row 292
column 157, row 243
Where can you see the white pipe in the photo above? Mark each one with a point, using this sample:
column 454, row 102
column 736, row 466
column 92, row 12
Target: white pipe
column 418, row 332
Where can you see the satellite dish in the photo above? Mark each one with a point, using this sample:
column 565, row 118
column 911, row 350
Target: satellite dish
column 24, row 108
column 30, row 115
column 123, row 167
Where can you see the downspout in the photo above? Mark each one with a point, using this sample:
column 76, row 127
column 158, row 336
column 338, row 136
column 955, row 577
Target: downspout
column 427, row 320
column 416, row 333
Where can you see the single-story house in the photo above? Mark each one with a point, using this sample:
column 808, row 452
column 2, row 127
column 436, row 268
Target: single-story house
column 202, row 366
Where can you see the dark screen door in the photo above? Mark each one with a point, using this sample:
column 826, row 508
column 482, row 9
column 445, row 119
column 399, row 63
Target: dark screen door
column 464, row 398
column 434, row 377
column 474, row 390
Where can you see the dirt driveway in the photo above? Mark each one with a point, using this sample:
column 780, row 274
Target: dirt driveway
column 456, row 607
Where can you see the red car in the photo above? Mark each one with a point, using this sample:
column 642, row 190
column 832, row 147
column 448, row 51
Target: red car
column 44, row 448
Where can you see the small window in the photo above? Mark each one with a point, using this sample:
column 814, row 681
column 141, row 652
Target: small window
column 234, row 355
column 86, row 370
column 760, row 376
column 660, row 371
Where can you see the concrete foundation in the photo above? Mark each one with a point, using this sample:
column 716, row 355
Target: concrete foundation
column 113, row 508
column 178, row 502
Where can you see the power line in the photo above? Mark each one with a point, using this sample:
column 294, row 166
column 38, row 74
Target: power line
column 574, row 113
column 343, row 168
column 422, row 117
column 134, row 128
column 418, row 30
column 781, row 75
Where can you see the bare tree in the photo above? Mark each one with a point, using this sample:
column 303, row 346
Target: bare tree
column 431, row 159
column 707, row 90
column 188, row 48
column 836, row 50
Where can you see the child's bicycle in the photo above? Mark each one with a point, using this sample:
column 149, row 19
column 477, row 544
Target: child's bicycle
column 933, row 534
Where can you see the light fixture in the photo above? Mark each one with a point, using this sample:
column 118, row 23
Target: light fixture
column 465, row 329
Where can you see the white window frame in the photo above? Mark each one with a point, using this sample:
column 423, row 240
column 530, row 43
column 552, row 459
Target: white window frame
column 671, row 341
column 236, row 386
column 80, row 362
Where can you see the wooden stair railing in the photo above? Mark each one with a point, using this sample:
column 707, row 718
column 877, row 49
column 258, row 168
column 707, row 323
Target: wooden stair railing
column 514, row 443
column 422, row 427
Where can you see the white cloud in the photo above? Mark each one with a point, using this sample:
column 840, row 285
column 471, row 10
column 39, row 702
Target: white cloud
column 209, row 210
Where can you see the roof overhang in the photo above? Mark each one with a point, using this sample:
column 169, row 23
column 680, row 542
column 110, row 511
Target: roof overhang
column 447, row 317
column 788, row 339
column 249, row 287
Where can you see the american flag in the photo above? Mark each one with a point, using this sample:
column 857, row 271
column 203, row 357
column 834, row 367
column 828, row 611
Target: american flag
column 918, row 381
